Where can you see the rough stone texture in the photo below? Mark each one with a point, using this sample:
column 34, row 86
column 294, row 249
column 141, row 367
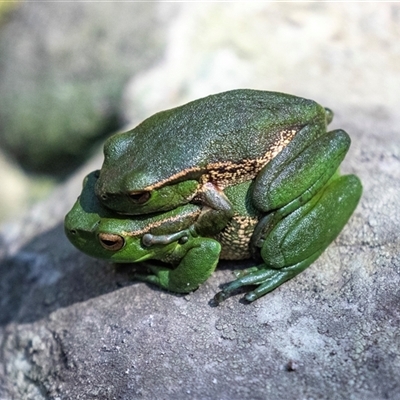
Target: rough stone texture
column 72, row 327
column 77, row 328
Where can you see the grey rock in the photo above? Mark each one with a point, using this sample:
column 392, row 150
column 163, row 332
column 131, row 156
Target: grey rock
column 73, row 327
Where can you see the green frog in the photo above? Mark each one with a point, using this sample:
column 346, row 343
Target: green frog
column 195, row 152
column 284, row 242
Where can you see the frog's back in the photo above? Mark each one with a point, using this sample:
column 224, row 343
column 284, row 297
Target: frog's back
column 224, row 128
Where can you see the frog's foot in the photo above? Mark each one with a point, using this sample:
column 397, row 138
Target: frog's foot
column 197, row 261
column 158, row 275
column 266, row 279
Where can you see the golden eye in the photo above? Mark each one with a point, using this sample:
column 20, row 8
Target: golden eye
column 139, row 197
column 111, row 242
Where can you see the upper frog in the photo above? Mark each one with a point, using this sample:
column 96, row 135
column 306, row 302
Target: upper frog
column 193, row 152
column 261, row 171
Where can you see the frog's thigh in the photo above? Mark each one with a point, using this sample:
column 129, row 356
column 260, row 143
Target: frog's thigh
column 302, row 239
column 293, row 172
column 305, row 233
column 194, row 268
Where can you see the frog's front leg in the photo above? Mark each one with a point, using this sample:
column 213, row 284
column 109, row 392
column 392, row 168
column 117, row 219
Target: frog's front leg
column 198, row 259
column 215, row 214
column 290, row 244
column 217, row 210
column 149, row 240
column 209, row 222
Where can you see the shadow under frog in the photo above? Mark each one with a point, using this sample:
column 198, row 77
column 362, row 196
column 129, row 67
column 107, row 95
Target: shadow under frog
column 40, row 279
column 49, row 273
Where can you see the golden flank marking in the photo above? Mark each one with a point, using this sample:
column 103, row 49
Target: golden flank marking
column 225, row 173
column 235, row 238
column 156, row 224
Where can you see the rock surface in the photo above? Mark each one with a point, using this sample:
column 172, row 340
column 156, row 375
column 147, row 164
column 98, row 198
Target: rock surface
column 77, row 328
column 72, row 327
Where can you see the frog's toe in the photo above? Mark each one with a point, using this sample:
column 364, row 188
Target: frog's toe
column 269, row 285
column 239, row 273
column 252, row 276
column 221, row 296
column 251, row 296
column 265, row 279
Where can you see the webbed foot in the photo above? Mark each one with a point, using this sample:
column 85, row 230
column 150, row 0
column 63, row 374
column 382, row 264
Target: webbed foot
column 266, row 279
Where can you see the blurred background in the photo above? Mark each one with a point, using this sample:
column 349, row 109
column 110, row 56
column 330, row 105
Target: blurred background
column 73, row 73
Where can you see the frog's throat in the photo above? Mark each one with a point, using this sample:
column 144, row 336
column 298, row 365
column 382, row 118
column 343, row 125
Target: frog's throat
column 226, row 173
column 161, row 222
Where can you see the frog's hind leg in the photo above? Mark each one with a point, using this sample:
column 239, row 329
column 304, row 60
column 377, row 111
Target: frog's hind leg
column 296, row 174
column 256, row 277
column 288, row 246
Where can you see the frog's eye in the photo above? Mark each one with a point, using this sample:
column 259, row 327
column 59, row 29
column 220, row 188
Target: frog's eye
column 139, row 197
column 111, row 242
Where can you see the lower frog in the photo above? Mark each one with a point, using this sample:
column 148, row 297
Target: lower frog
column 101, row 233
column 286, row 241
